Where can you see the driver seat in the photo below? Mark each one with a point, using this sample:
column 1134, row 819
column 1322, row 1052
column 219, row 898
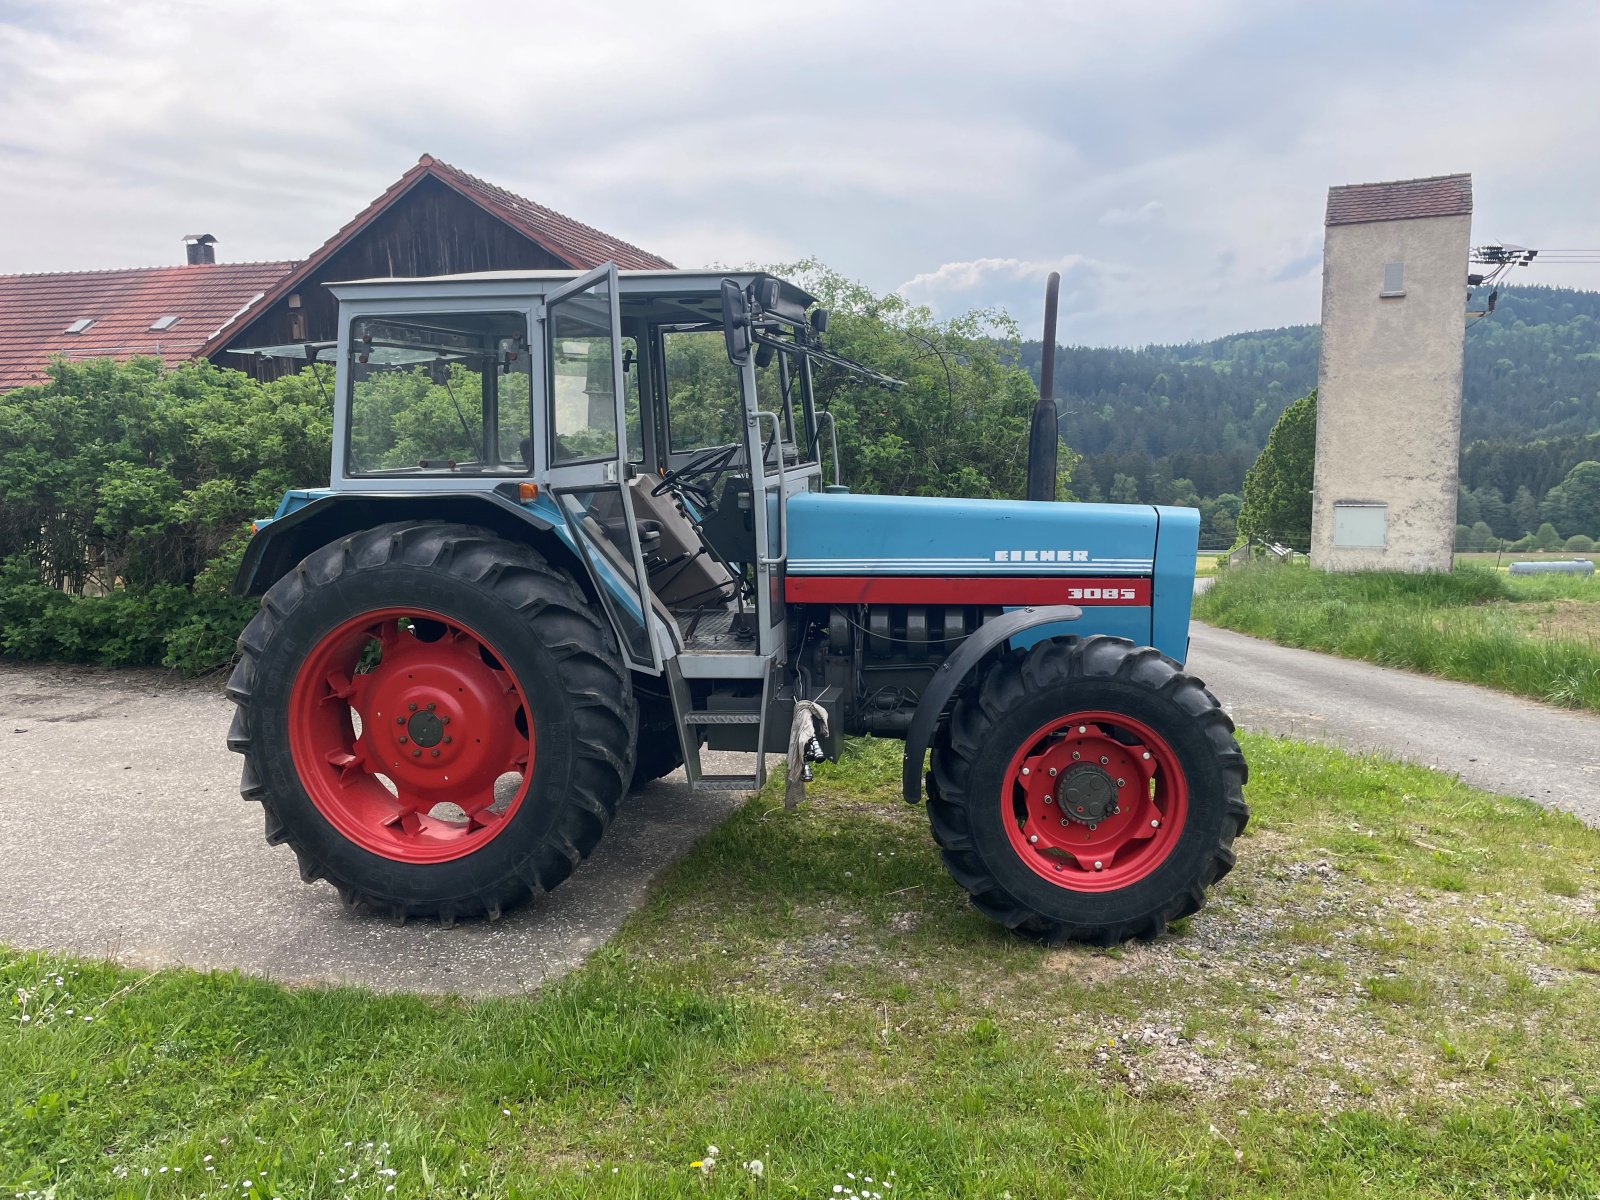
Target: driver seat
column 690, row 577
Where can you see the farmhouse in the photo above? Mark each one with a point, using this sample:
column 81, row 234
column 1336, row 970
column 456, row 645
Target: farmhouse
column 435, row 219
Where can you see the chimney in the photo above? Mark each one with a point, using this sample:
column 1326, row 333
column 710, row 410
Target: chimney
column 201, row 247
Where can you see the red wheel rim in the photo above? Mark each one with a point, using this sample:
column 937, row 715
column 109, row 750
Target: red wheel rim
column 406, row 729
column 1094, row 801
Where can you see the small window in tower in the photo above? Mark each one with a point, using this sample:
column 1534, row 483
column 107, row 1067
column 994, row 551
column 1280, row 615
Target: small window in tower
column 164, row 323
column 80, row 325
column 1394, row 279
column 1360, row 525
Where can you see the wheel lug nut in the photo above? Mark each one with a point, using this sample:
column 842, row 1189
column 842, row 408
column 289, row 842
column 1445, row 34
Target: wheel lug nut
column 399, row 720
column 444, row 720
column 412, row 707
column 436, row 754
column 1049, row 799
column 1146, row 756
column 1083, row 729
column 1098, row 865
column 1064, row 821
column 1093, row 826
column 448, row 739
column 402, row 741
column 1052, row 772
column 1033, row 840
column 1122, row 783
column 1076, row 756
column 1058, row 866
column 1155, row 824
column 431, row 707
column 416, row 754
column 1116, row 809
column 1104, row 760
column 1024, row 770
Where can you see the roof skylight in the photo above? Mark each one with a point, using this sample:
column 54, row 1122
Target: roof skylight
column 79, row 325
column 164, row 323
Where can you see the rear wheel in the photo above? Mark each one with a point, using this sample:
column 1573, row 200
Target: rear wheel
column 433, row 720
column 1087, row 790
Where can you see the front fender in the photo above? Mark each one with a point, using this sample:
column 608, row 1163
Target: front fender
column 954, row 670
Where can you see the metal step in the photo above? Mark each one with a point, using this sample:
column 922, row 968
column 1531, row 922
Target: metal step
column 728, row 783
column 722, row 717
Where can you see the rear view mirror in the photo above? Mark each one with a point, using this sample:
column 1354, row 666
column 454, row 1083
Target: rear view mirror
column 736, row 322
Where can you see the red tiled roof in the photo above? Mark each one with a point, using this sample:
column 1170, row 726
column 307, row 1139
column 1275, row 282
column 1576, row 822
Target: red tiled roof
column 578, row 245
column 1436, row 196
column 36, row 309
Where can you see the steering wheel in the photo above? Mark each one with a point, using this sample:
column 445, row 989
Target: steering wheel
column 714, row 461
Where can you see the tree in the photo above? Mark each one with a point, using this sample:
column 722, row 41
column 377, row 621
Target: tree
column 1277, row 489
column 1483, row 537
column 1574, row 503
column 1546, row 537
column 1524, row 510
column 1124, row 490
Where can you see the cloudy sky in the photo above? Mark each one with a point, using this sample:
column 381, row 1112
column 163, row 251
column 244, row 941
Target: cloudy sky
column 1170, row 158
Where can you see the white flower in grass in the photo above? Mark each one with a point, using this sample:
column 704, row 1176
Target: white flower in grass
column 756, row 1167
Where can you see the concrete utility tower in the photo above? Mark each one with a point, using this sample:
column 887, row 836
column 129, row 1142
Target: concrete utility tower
column 1389, row 381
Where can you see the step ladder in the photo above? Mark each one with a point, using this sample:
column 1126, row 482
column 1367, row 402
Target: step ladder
column 692, row 721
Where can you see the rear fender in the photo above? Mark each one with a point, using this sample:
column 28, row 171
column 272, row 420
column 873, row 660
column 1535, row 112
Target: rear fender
column 953, row 672
column 279, row 544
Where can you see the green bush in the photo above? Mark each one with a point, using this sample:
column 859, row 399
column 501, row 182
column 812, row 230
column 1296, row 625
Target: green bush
column 124, row 491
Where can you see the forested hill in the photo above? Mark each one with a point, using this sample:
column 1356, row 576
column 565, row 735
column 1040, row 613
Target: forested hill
column 1202, row 411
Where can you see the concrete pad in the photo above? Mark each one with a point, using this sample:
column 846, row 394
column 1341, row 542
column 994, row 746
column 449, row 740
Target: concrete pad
column 125, row 837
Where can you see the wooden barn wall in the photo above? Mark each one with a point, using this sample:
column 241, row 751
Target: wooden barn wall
column 431, row 230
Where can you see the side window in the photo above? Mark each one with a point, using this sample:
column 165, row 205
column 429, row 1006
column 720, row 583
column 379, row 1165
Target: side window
column 439, row 393
column 583, row 408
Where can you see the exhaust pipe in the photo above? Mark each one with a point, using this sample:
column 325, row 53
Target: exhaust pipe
column 1045, row 434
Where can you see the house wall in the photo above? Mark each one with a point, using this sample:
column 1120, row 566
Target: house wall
column 1389, row 392
column 431, row 230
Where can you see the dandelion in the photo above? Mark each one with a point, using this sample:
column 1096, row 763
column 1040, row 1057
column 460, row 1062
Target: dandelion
column 756, row 1167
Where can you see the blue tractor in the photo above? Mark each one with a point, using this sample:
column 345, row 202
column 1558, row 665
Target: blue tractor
column 579, row 529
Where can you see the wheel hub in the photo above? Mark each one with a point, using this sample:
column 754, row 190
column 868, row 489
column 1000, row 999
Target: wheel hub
column 425, row 729
column 1088, row 794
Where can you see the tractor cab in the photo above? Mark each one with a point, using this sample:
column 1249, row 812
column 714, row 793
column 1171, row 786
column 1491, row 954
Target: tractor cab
column 657, row 423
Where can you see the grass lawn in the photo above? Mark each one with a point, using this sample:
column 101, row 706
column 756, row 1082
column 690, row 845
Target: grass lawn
column 1537, row 636
column 1392, row 994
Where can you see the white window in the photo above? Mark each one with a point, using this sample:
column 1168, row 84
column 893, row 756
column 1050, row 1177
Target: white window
column 1394, row 279
column 1360, row 525
column 79, row 325
column 162, row 324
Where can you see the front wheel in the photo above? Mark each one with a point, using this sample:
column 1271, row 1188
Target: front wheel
column 1087, row 790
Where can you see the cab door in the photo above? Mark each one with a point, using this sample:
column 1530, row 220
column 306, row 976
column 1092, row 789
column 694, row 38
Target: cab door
column 586, row 447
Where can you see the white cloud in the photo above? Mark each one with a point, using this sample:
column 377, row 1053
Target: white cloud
column 1149, row 211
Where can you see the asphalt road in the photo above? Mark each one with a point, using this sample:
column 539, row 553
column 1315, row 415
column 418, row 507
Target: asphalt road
column 124, row 837
column 1493, row 741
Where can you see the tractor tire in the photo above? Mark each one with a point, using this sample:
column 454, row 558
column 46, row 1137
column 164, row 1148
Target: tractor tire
column 1087, row 790
column 434, row 719
column 656, row 750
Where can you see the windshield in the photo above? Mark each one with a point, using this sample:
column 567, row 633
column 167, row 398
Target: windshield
column 703, row 408
column 439, row 393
